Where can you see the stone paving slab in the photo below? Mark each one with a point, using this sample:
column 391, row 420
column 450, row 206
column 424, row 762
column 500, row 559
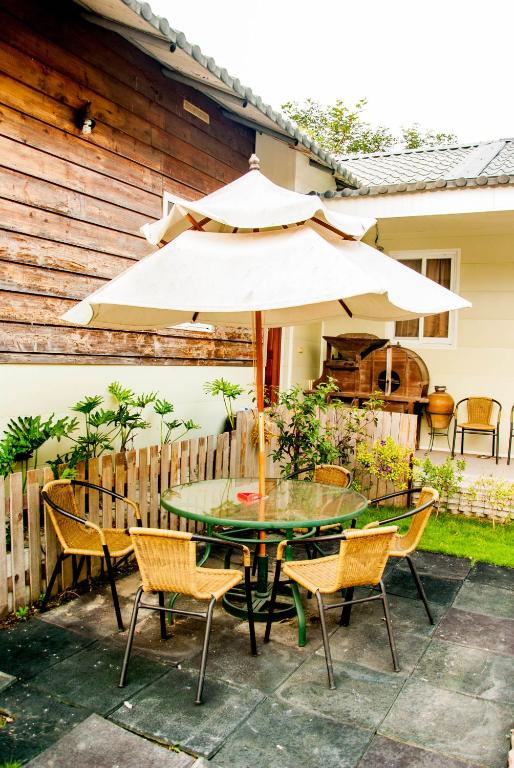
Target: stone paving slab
column 386, row 753
column 90, row 678
column 483, row 598
column 96, row 743
column 39, row 720
column 29, row 648
column 477, row 631
column 165, row 711
column 494, row 575
column 367, row 644
column 468, row 670
column 463, row 727
column 408, row 614
column 90, row 614
column 362, row 696
column 278, row 735
column 434, row 564
column 440, row 591
column 230, row 660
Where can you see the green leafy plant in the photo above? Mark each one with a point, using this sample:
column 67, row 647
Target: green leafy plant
column 127, row 418
column 228, row 391
column 445, row 478
column 22, row 613
column 496, row 495
column 164, row 408
column 24, row 436
column 386, row 460
column 304, row 437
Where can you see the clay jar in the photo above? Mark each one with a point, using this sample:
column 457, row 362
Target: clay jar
column 440, row 407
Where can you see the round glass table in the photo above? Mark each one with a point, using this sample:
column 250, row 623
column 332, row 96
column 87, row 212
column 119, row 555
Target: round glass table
column 289, row 509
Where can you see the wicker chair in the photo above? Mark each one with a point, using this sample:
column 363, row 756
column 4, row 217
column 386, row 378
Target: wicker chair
column 330, row 474
column 360, row 562
column 479, row 421
column 167, row 561
column 82, row 538
column 405, row 544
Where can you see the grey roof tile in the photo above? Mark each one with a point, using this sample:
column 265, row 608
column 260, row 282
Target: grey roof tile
column 431, row 168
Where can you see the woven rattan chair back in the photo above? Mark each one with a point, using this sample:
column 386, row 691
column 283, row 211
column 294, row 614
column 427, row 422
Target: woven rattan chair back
column 331, row 474
column 480, row 410
column 362, row 557
column 410, row 540
column 166, row 560
column 69, row 532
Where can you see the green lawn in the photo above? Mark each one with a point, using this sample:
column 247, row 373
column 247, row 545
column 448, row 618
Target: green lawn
column 458, row 535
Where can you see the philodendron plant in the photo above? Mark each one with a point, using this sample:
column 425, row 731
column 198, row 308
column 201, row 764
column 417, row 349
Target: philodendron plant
column 228, row 391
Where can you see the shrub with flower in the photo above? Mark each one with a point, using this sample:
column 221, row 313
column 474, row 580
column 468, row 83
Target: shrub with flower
column 386, row 460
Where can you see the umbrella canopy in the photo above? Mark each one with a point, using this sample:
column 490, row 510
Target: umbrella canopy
column 293, row 276
column 255, row 251
column 252, row 202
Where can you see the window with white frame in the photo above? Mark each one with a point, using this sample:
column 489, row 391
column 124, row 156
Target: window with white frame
column 442, row 267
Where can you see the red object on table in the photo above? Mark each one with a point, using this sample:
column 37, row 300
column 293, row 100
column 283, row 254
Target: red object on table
column 248, row 497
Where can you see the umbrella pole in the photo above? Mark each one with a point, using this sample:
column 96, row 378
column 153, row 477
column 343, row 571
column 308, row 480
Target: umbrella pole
column 259, row 356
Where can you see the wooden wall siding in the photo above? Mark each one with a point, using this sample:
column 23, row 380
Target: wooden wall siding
column 71, row 205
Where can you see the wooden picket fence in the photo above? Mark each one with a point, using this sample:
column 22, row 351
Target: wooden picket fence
column 28, row 544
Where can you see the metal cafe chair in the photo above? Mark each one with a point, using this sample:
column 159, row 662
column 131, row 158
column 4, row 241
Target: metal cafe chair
column 479, row 421
column 360, row 561
column 80, row 537
column 511, row 433
column 404, row 544
column 167, row 561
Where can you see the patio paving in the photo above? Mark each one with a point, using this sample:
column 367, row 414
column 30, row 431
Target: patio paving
column 451, row 706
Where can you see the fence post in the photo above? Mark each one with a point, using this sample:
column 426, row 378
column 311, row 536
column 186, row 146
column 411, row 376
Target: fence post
column 4, row 593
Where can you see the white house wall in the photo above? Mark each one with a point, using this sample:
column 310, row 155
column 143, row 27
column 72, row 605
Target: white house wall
column 482, row 360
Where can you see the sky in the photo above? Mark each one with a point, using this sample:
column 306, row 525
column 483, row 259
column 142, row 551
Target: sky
column 447, row 65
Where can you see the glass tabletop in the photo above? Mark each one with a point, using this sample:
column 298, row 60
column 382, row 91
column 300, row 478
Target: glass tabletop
column 287, row 503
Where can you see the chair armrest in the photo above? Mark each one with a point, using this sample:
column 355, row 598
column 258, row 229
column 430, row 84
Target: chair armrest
column 292, row 475
column 374, row 524
column 313, row 540
column 408, row 491
column 247, row 557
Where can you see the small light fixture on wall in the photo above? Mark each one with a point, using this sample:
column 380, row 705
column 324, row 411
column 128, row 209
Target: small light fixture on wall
column 83, row 119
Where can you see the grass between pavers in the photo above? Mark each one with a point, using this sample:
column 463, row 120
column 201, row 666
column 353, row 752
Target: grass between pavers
column 458, row 535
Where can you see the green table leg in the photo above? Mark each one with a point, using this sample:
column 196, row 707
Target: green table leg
column 302, row 629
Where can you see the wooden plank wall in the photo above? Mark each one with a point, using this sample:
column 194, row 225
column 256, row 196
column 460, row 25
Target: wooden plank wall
column 71, row 205
column 33, row 547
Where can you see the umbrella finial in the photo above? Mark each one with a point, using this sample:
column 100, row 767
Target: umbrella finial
column 254, row 163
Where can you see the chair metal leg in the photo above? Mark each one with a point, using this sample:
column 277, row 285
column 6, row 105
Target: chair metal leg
column 249, row 608
column 387, row 615
column 273, row 600
column 510, row 446
column 51, row 583
column 454, row 439
column 346, row 613
column 497, row 444
column 130, row 638
column 419, row 586
column 462, row 441
column 112, row 582
column 203, row 663
column 326, row 644
column 162, row 616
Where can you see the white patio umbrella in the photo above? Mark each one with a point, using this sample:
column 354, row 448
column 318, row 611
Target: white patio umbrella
column 254, row 252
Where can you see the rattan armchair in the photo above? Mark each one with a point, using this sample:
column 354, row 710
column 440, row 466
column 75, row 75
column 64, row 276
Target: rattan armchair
column 360, row 562
column 167, row 561
column 330, row 474
column 404, row 545
column 480, row 421
column 79, row 537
